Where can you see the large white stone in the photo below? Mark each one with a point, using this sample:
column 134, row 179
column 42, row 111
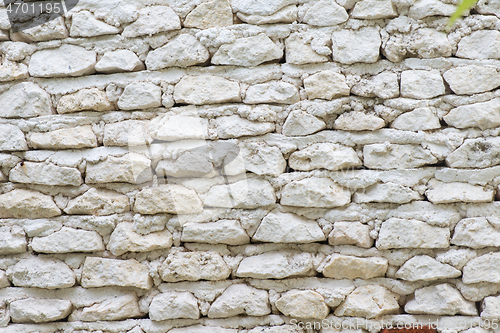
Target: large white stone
column 188, row 165
column 98, row 202
column 68, row 240
column 12, row 240
column 472, row 79
column 386, row 192
column 482, row 115
column 131, row 168
column 114, row 308
column 421, row 84
column 286, row 14
column 174, row 199
column 374, row 9
column 301, row 123
column 46, row 30
column 369, row 301
column 302, row 304
column 127, row 133
column 91, row 99
column 351, row 46
column 429, row 43
column 350, row 233
column 25, row 100
column 12, row 71
column 427, row 269
column 41, row 272
column 29, row 204
column 183, row 51
column 262, row 7
column 194, row 266
column 476, row 153
column 325, row 13
column 384, row 85
column 476, row 232
column 66, row 60
column 402, row 234
column 247, row 193
column 221, row 232
column 326, row 85
column 173, row 127
column 276, row 265
column 12, row 138
column 45, row 174
column 216, row 13
column 315, row 192
column 65, row 138
column 394, row 156
column 490, row 308
column 174, row 305
column 262, row 159
column 240, row 299
column 125, row 239
column 425, row 8
column 153, row 20
column 119, row 61
column 103, row 272
column 330, row 156
column 441, row 299
column 234, row 126
column 299, row 52
column 424, row 118
column 338, row 266
column 358, row 121
column 32, row 310
column 140, row 95
column 485, row 268
column 440, row 192
column 272, row 92
column 482, row 44
column 84, row 24
column 206, row 89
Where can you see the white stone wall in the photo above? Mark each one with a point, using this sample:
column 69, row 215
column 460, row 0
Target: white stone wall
column 241, row 166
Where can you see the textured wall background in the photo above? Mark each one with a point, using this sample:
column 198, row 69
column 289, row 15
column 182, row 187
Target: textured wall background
column 191, row 166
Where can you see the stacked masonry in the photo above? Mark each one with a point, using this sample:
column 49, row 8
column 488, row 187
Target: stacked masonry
column 191, row 166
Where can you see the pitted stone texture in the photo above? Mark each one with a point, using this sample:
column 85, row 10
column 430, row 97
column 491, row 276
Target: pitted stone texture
column 115, row 308
column 84, row 24
column 29, row 204
column 221, row 232
column 98, row 202
column 91, row 99
column 34, row 310
column 439, row 192
column 203, row 329
column 276, row 265
column 476, row 233
column 119, row 61
column 68, row 240
column 12, row 240
column 424, row 118
column 395, row 156
column 51, row 27
column 229, row 127
column 277, row 329
column 350, row 233
column 67, row 60
column 264, row 7
column 374, row 9
column 174, row 305
column 326, row 85
column 315, row 192
column 351, row 46
column 45, row 174
column 194, row 266
column 384, row 85
column 386, row 192
column 262, row 159
column 348, row 267
column 12, row 138
column 303, row 304
column 483, row 115
column 102, row 272
column 206, row 89
column 421, row 84
column 173, row 127
column 187, row 165
column 476, row 153
column 216, row 13
column 153, row 20
column 248, row 194
column 173, row 199
column 299, row 52
column 325, row 13
column 240, row 299
column 127, row 133
column 65, row 138
column 483, row 44
column 472, row 79
column 12, row 71
column 131, row 168
column 140, row 95
column 125, row 239
column 441, row 299
column 41, row 272
column 328, row 156
column 286, row 14
column 301, row 123
column 358, row 121
column 369, row 301
column 485, row 268
column 425, row 8
column 183, row 51
column 429, row 43
column 490, row 308
column 272, row 92
column 427, row 269
column 25, row 100
column 403, row 234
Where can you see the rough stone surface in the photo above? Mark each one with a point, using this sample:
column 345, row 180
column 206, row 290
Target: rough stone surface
column 476, row 233
column 275, row 265
column 153, row 20
column 347, row 267
column 483, row 115
column 21, row 203
column 369, row 301
column 119, row 61
column 240, row 299
column 68, row 240
column 358, row 121
column 472, row 79
column 194, row 266
column 221, row 232
column 84, row 24
column 25, row 100
column 392, row 156
column 325, row 13
column 183, row 51
column 41, row 272
column 249, row 193
column 33, row 310
column 420, row 84
column 351, row 46
column 458, row 192
column 174, row 305
column 140, row 95
column 12, row 240
column 272, row 92
column 45, row 174
column 301, row 123
column 61, row 62
column 114, row 308
column 480, row 45
column 131, row 168
column 441, row 299
column 400, row 234
column 65, row 138
column 482, row 269
column 206, row 90
column 302, row 304
column 350, row 233
column 374, row 9
column 216, row 13
column 174, row 199
column 98, row 202
column 315, row 192
column 12, row 138
column 326, row 85
column 101, row 272
column 91, row 99
column 328, row 156
column 420, row 119
column 426, row 268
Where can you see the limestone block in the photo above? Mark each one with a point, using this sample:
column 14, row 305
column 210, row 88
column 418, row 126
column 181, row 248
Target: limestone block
column 384, row 85
column 127, row 133
column 61, row 62
column 206, row 89
column 146, row 224
column 29, row 204
column 153, row 20
column 229, row 127
column 125, row 239
column 25, row 100
column 272, row 92
column 84, row 24
column 221, row 232
column 374, row 9
column 369, row 301
column 429, row 43
column 174, row 305
column 213, row 14
column 330, row 156
column 403, row 234
column 68, row 240
column 12, row 138
column 40, row 227
column 427, row 269
column 301, row 123
column 45, row 174
column 194, row 266
column 483, row 115
column 41, row 272
column 482, row 44
column 348, row 267
column 302, row 304
column 187, row 165
column 420, row 119
column 386, row 192
column 441, row 299
column 421, row 84
column 472, row 79
column 358, row 121
column 425, row 8
column 102, row 272
column 240, row 299
column 286, row 14
column 32, row 310
column 65, row 138
column 12, row 71
column 490, row 308
column 315, row 192
column 264, row 7
column 351, row 46
column 51, row 27
column 119, row 61
column 91, row 99
column 485, row 268
column 183, row 51
column 276, row 265
column 298, row 52
column 115, row 308
column 394, row 156
column 262, row 159
column 12, row 240
column 476, row 232
column 247, row 193
column 248, row 52
column 476, row 153
column 140, row 95
column 277, row 227
column 173, row 199
column 98, row 202
column 439, row 192
column 350, row 233
column 4, row 281
column 172, row 127
column 325, row 13
column 131, row 168
column 326, row 85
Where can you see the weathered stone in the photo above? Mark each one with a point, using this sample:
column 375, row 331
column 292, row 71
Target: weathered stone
column 84, row 24
column 427, row 269
column 127, row 133
column 68, row 240
column 276, row 265
column 429, row 43
column 221, row 232
column 350, row 233
column 472, row 79
column 12, row 138
column 140, row 95
column 362, row 45
column 4, row 280
column 41, row 272
column 303, row 304
column 272, row 92
column 476, row 232
column 51, row 27
column 262, row 159
column 40, row 227
column 301, row 123
column 115, row 308
column 187, row 165
column 98, row 202
column 384, row 85
column 12, row 71
column 265, row 7
column 424, row 118
column 369, row 301
column 216, row 13
column 483, row 115
column 325, row 13
column 347, row 267
column 29, row 204
column 277, row 329
column 386, row 192
column 358, row 121
column 315, row 192
column 326, row 85
column 173, row 199
column 248, row 52
column 125, row 239
column 482, row 44
column 12, row 240
column 298, row 52
column 65, row 138
column 131, row 168
column 485, row 268
column 394, row 156
column 476, row 153
column 153, row 20
column 229, row 127
column 374, row 9
column 286, row 14
column 240, row 299
column 61, row 62
column 172, row 127
column 34, row 310
column 91, row 99
column 45, row 174
column 183, row 51
column 194, row 266
column 203, row 329
column 248, row 194
column 439, row 192
column 421, row 84
column 441, row 299
column 119, row 61
column 25, row 100
column 146, row 224
column 102, row 272
column 402, row 234
column 174, row 305
column 425, row 8
column 490, row 308
column 206, row 89
column 328, row 156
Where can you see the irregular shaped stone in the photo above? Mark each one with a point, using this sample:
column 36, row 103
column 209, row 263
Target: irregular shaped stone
column 25, row 100
column 386, row 192
column 68, row 240
column 325, row 13
column 347, row 267
column 302, row 304
column 240, row 299
column 51, row 27
column 326, row 85
column 131, row 168
column 45, row 174
column 374, row 9
column 140, row 95
column 119, row 61
column 127, row 133
column 153, row 20
column 183, row 51
column 84, row 24
column 394, row 156
column 361, row 45
column 421, row 84
column 485, row 268
column 427, row 269
column 32, row 310
column 328, row 156
column 102, row 272
column 384, row 85
column 91, row 99
column 420, row 119
column 145, row 225
column 350, row 233
column 441, row 299
column 404, row 234
column 301, row 123
column 248, row 52
column 286, row 14
column 483, row 115
column 203, row 329
column 276, row 265
column 206, row 89
column 115, row 308
column 490, row 308
column 358, row 121
column 482, row 44
column 429, row 43
column 4, row 281
column 174, row 305
column 298, row 52
column 277, row 329
column 98, row 202
column 262, row 159
column 194, row 266
column 425, row 8
column 125, row 239
column 29, row 204
column 187, row 165
column 369, row 301
column 12, row 240
column 12, row 138
column 439, row 192
column 272, row 92
column 248, row 193
column 263, row 7
column 173, row 199
column 12, row 71
column 229, row 127
column 61, row 62
column 221, row 232
column 65, row 138
column 476, row 153
column 277, row 227
column 472, row 79
column 213, row 14
column 41, row 227
column 476, row 233
column 41, row 272
column 172, row 127
column 315, row 192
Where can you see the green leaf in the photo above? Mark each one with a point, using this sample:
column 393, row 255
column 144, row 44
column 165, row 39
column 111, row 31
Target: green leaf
column 461, row 8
